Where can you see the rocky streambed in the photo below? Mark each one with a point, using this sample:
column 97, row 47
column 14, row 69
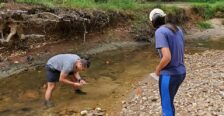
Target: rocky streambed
column 201, row 94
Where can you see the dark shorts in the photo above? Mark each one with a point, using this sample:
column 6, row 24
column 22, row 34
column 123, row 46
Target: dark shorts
column 52, row 74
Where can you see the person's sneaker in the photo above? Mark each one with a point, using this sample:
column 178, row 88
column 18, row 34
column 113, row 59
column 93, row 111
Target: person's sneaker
column 80, row 92
column 49, row 104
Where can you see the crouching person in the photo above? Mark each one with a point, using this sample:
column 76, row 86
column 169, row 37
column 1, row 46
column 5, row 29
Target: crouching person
column 59, row 67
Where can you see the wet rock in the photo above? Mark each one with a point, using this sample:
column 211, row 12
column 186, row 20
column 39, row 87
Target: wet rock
column 93, row 112
column 16, row 62
column 84, row 113
column 123, row 102
column 98, row 109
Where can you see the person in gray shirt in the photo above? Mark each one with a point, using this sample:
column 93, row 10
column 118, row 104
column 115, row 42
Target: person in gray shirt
column 59, row 67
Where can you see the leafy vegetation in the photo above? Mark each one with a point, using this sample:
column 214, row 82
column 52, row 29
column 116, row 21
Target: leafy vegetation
column 211, row 1
column 208, row 10
column 102, row 4
column 204, row 25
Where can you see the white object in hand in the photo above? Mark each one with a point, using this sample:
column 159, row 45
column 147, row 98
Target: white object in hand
column 153, row 75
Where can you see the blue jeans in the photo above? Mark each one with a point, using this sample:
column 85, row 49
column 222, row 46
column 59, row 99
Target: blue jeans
column 168, row 87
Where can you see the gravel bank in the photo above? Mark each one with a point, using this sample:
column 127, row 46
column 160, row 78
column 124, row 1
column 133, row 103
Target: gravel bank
column 201, row 94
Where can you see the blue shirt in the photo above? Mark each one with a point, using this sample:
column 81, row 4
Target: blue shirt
column 165, row 38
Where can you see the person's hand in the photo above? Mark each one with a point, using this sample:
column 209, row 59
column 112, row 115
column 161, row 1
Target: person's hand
column 77, row 84
column 157, row 71
column 83, row 82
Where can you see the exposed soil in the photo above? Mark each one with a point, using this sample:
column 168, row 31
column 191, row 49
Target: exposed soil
column 35, row 26
column 215, row 33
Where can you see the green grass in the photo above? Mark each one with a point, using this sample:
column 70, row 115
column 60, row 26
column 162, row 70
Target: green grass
column 210, row 1
column 208, row 10
column 204, row 25
column 91, row 4
column 48, row 3
column 110, row 4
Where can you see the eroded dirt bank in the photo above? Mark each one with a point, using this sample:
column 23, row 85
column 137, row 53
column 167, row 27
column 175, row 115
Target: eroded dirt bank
column 25, row 27
column 32, row 33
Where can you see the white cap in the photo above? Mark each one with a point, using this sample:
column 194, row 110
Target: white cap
column 156, row 11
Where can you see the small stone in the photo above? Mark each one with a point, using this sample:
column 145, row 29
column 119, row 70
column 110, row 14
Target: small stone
column 144, row 98
column 123, row 102
column 98, row 109
column 84, row 113
column 16, row 62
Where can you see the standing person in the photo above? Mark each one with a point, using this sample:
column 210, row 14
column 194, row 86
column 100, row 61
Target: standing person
column 59, row 67
column 169, row 40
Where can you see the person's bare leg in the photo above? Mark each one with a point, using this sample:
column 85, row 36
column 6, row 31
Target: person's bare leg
column 50, row 88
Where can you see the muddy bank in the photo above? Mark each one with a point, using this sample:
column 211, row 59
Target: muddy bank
column 32, row 62
column 202, row 92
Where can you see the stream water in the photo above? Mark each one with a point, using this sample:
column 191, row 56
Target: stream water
column 111, row 77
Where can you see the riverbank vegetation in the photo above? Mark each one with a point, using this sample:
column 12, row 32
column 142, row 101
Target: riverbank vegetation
column 206, row 8
column 204, row 25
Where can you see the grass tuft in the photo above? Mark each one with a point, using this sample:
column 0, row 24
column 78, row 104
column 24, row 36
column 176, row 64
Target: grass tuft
column 204, row 25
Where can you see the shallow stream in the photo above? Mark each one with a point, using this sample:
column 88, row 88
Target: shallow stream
column 111, row 77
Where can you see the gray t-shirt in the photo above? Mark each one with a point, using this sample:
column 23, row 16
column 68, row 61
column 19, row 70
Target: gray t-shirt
column 63, row 62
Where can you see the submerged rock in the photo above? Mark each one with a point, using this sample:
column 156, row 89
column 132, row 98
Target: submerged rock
column 29, row 95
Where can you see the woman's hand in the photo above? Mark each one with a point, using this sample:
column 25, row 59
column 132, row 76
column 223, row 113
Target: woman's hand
column 164, row 61
column 157, row 71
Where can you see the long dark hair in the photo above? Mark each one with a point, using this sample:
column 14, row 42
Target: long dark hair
column 171, row 23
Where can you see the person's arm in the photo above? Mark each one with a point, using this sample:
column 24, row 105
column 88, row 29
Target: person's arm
column 78, row 77
column 63, row 79
column 166, row 58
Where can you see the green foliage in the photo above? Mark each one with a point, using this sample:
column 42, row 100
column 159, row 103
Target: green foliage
column 207, row 10
column 104, row 4
column 210, row 1
column 204, row 25
column 44, row 2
